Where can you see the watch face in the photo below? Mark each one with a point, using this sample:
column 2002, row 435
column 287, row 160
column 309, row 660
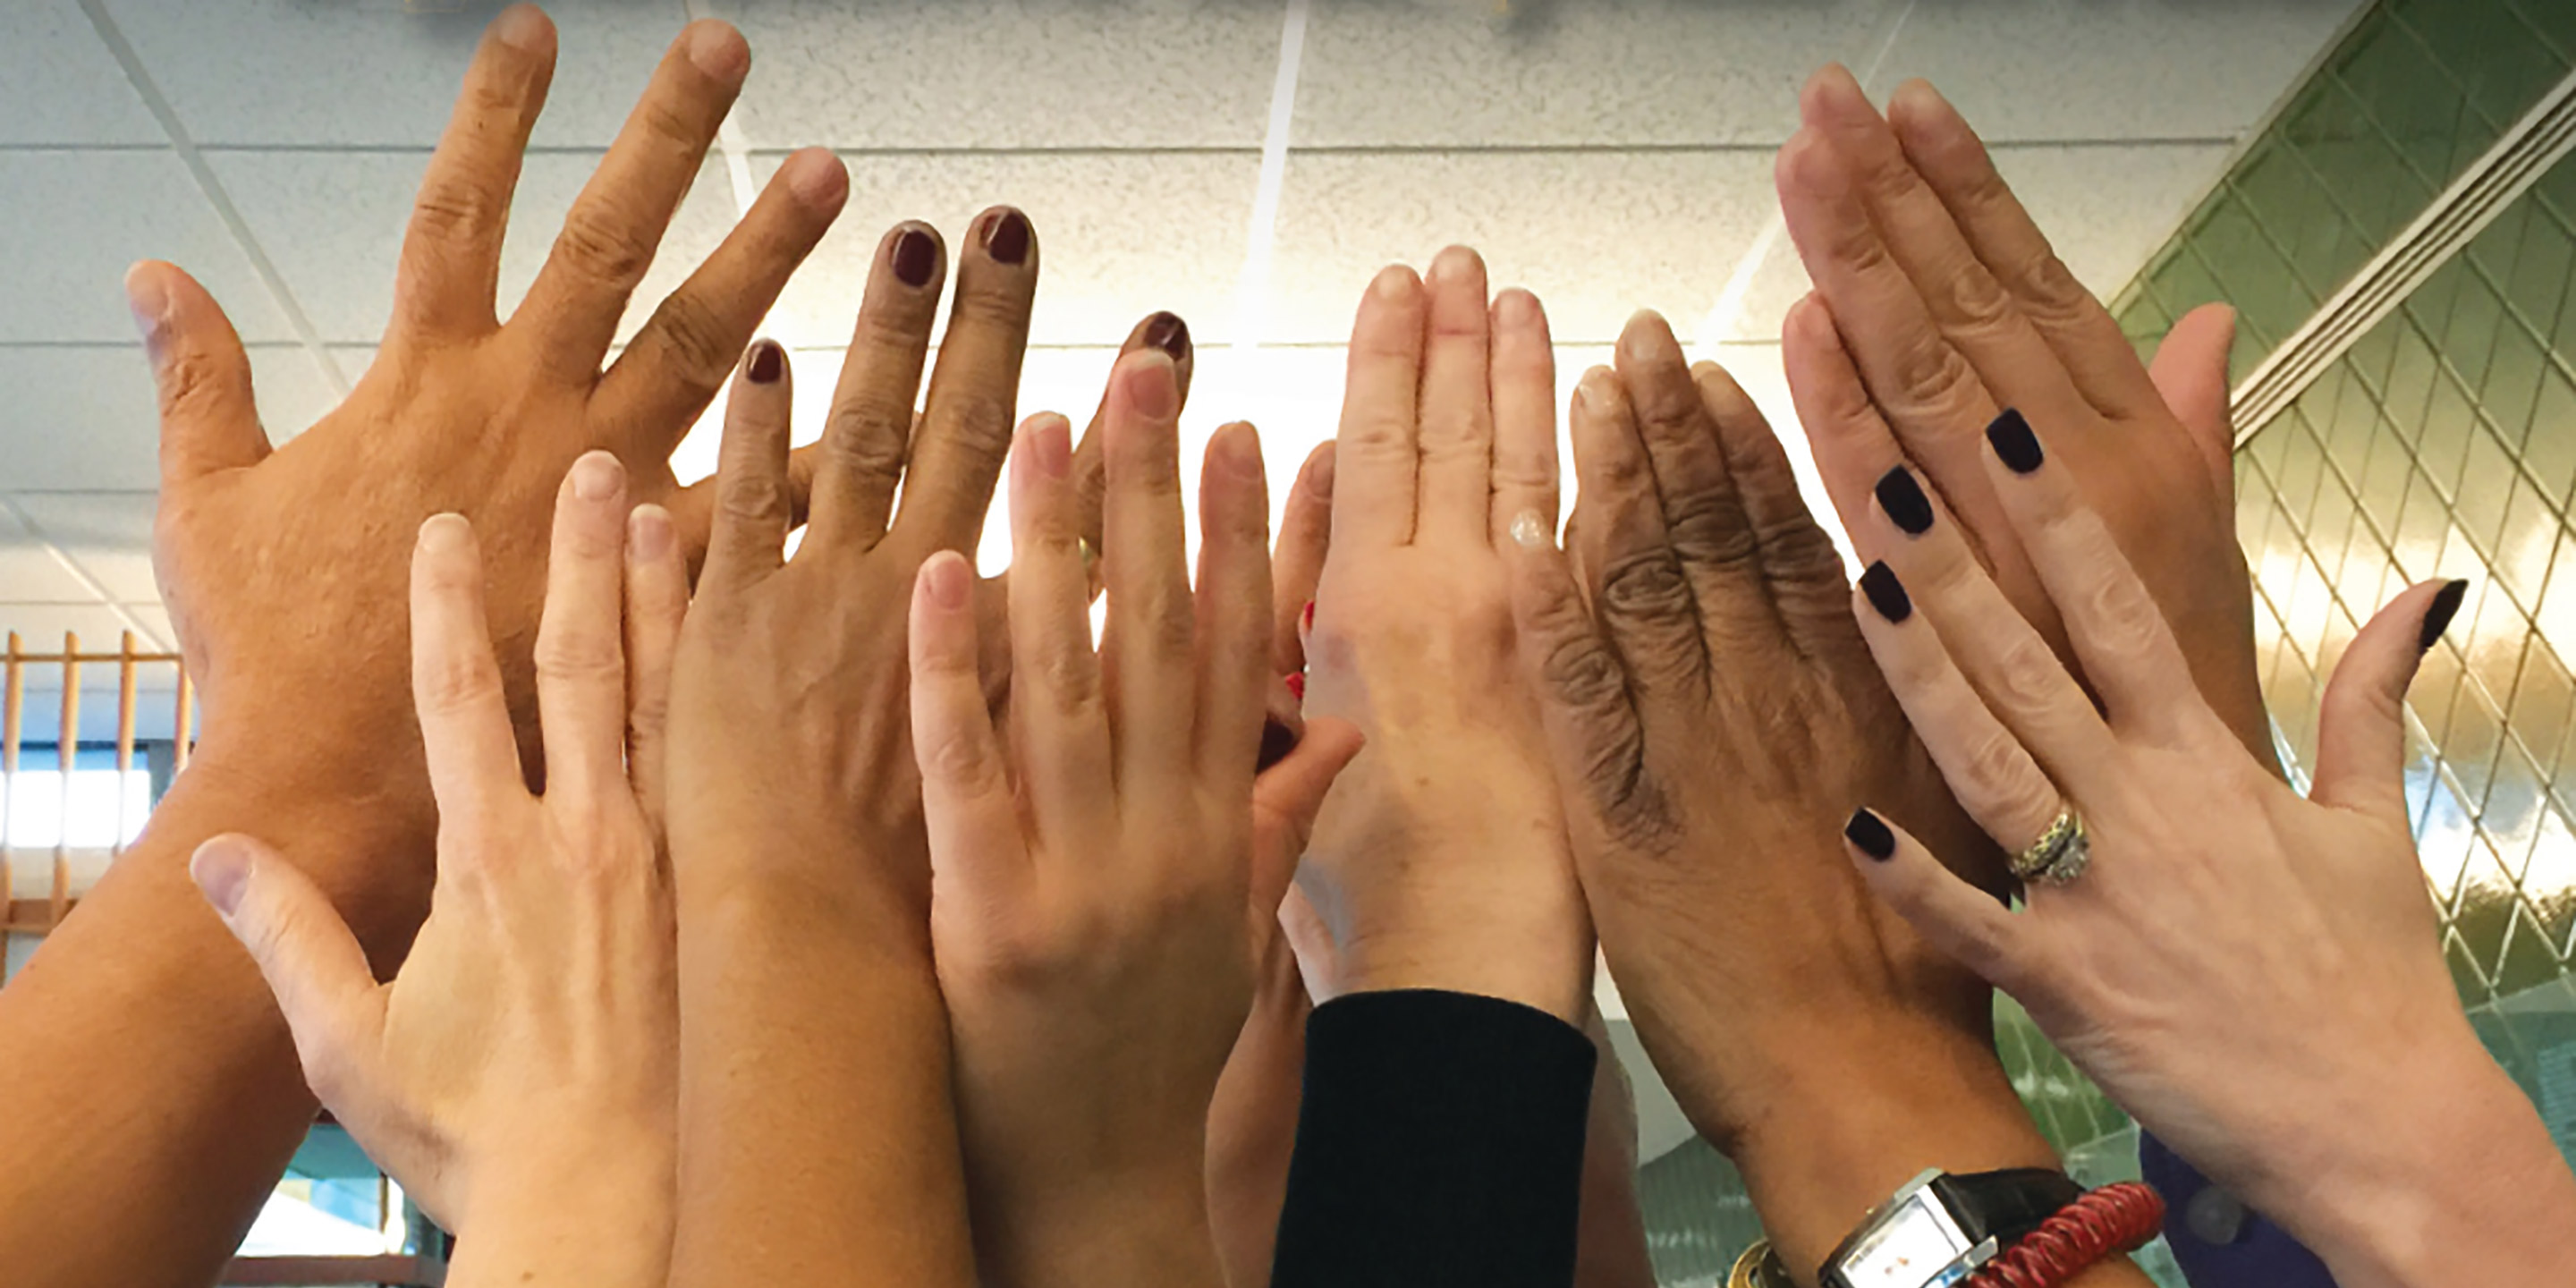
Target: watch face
column 1912, row 1246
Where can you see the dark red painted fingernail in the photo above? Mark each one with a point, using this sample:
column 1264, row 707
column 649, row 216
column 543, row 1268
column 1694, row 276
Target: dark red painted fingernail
column 1277, row 740
column 1167, row 332
column 1296, row 682
column 767, row 360
column 916, row 256
column 1006, row 237
column 1307, row 620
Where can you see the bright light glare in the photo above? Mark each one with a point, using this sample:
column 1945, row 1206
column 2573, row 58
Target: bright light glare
column 95, row 814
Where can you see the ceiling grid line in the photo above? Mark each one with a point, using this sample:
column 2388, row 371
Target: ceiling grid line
column 73, row 568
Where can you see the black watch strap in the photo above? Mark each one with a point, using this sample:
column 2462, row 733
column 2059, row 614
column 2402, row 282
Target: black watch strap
column 2006, row 1205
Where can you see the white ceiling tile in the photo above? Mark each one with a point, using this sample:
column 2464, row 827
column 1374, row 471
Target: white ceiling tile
column 2078, row 69
column 76, row 220
column 157, row 632
column 1630, row 73
column 40, row 629
column 1598, row 235
column 29, row 571
column 292, row 388
column 77, row 417
column 1009, row 73
column 63, row 85
column 109, row 534
column 333, row 224
column 1121, row 235
column 380, row 73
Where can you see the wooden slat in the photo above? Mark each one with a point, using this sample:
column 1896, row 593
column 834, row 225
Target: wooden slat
column 124, row 733
column 66, row 753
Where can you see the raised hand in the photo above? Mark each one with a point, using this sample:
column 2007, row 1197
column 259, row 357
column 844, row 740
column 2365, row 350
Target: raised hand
column 1952, row 306
column 2255, row 976
column 519, row 1075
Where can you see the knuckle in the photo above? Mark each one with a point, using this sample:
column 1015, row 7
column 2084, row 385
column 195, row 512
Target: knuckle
column 868, row 438
column 752, row 496
column 2123, row 619
column 695, row 343
column 578, row 657
column 451, row 686
column 1932, row 374
column 2048, row 286
column 604, row 245
column 1971, row 301
column 1709, row 531
column 1999, row 783
column 956, row 760
column 2026, row 672
column 1646, row 587
column 455, row 211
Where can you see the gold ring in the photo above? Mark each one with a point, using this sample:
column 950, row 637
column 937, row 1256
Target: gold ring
column 2059, row 855
column 1759, row 1267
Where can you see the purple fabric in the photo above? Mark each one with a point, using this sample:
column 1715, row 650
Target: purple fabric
column 2260, row 1255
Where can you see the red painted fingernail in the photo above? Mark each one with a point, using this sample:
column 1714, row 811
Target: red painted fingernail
column 1296, row 681
column 766, row 361
column 1308, row 620
column 915, row 255
column 1006, row 237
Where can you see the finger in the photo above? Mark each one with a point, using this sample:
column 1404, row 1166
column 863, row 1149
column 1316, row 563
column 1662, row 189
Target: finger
column 615, row 225
column 869, row 434
column 1524, row 467
column 1059, row 724
column 1297, row 557
column 1989, row 773
column 693, row 508
column 1703, row 513
column 2361, row 722
column 2087, row 341
column 1585, row 705
column 1374, row 506
column 1964, row 301
column 1150, row 632
column 451, row 255
column 1164, row 331
column 580, row 652
column 473, row 754
column 1286, row 798
column 1232, row 625
column 2120, row 636
column 965, row 786
column 966, row 423
column 312, row 962
column 1961, row 921
column 749, row 532
column 1851, row 442
column 657, row 601
column 1800, row 566
column 2190, row 374
column 673, row 366
column 208, row 419
column 2011, row 667
column 1454, row 484
column 1639, row 592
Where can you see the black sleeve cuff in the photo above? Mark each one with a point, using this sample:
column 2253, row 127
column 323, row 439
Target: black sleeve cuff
column 1440, row 1142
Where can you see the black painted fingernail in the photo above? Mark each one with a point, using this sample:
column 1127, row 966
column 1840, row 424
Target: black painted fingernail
column 2437, row 617
column 1277, row 740
column 2014, row 443
column 1167, row 332
column 916, row 256
column 1869, row 833
column 767, row 360
column 1886, row 593
column 1006, row 237
column 1903, row 499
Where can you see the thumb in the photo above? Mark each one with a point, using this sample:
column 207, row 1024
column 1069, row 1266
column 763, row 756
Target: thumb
column 208, row 420
column 2361, row 721
column 2190, row 373
column 305, row 951
column 1285, row 800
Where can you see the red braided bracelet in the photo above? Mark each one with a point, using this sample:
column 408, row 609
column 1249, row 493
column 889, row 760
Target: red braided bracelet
column 2114, row 1219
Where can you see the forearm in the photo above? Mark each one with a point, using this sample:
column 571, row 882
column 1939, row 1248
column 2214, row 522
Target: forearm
column 1148, row 1233
column 576, row 1218
column 155, row 1094
column 818, row 1137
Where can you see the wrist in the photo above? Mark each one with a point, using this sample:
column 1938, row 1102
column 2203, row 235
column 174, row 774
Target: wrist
column 593, row 1213
column 1145, row 1228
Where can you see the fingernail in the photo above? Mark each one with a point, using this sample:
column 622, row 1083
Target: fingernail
column 1593, row 389
column 150, row 303
column 1006, row 237
column 1296, row 680
column 1869, row 833
column 221, row 868
column 1320, row 477
column 1238, row 448
column 1903, row 499
column 1306, row 621
column 521, row 27
column 1886, row 593
column 444, row 531
column 2014, row 443
column 767, row 361
column 817, row 178
column 1394, row 282
column 1516, row 307
column 1530, row 529
column 1153, row 387
column 1051, row 446
column 916, row 254
column 2438, row 615
column 648, row 533
column 719, row 51
column 595, row 476
column 947, row 574
column 1277, row 741
column 1167, row 332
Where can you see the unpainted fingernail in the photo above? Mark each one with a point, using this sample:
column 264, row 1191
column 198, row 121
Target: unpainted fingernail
column 1870, row 835
column 446, row 531
column 1006, row 236
column 916, row 257
column 1591, row 392
column 767, row 362
column 649, row 534
column 1319, row 473
column 1516, row 307
column 1886, row 593
column 1531, row 529
column 596, row 475
column 1169, row 333
column 1237, row 447
column 1050, row 445
column 150, row 303
column 1903, row 500
column 719, row 51
column 2438, row 614
column 1393, row 282
column 817, row 178
column 949, row 579
column 521, row 27
column 2014, row 444
column 221, row 868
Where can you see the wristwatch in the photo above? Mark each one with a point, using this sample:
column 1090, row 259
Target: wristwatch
column 1941, row 1227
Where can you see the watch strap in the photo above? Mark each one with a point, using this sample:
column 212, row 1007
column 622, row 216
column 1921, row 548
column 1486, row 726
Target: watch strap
column 2005, row 1205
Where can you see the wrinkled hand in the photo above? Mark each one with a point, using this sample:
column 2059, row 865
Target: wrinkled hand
column 1954, row 307
column 1441, row 860
column 1101, row 879
column 281, row 569
column 521, row 1069
column 2256, row 977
